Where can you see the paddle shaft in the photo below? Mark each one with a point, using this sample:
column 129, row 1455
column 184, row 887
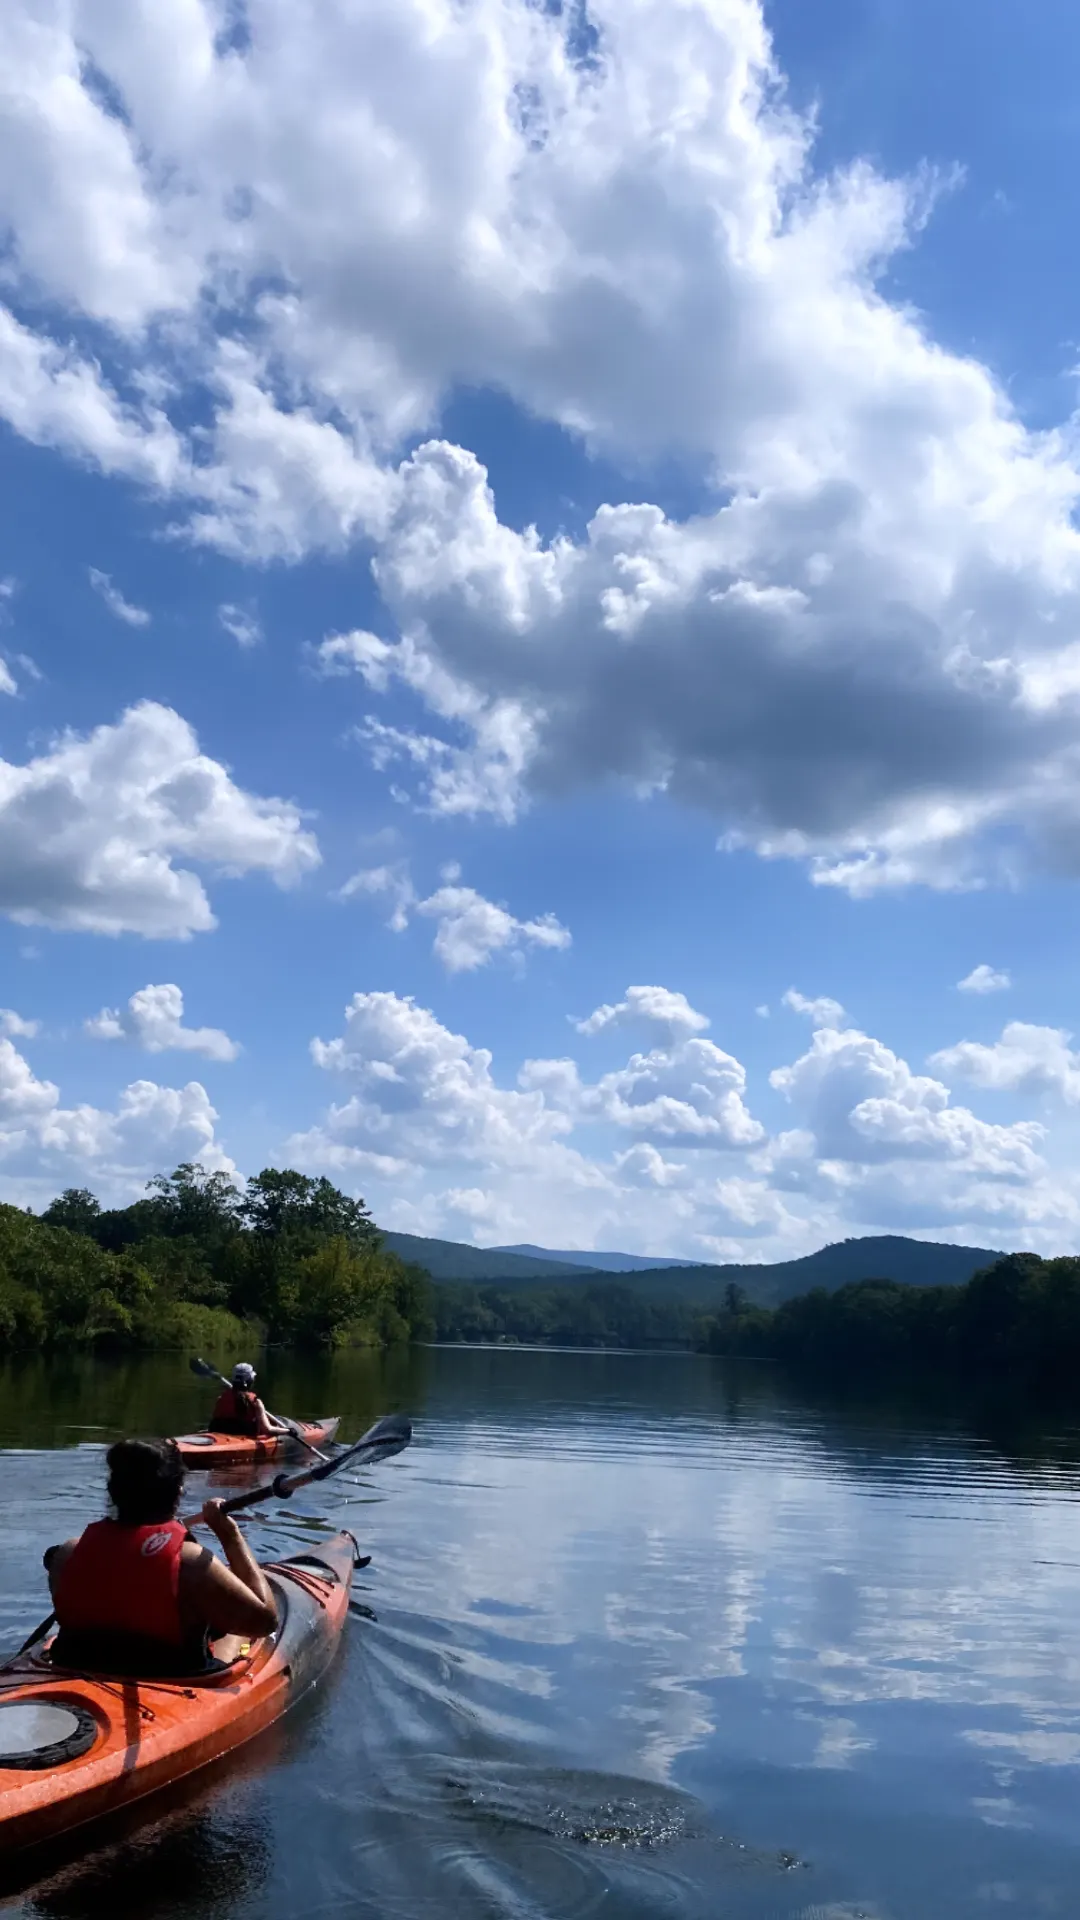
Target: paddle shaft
column 207, row 1372
column 31, row 1641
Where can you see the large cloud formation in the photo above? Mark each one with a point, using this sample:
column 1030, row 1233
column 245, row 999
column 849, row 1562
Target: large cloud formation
column 665, row 1151
column 45, row 1146
column 97, row 830
column 861, row 651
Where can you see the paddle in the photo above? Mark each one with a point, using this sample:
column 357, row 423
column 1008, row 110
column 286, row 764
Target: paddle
column 31, row 1641
column 206, row 1372
column 388, row 1436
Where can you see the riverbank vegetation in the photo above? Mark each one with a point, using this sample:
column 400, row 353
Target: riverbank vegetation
column 1017, row 1323
column 200, row 1262
column 605, row 1315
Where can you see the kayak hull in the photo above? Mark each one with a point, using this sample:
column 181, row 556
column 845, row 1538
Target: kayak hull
column 209, row 1451
column 148, row 1734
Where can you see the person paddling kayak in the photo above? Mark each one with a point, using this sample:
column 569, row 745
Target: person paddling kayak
column 238, row 1408
column 136, row 1595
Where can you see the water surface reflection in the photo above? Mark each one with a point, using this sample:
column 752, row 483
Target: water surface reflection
column 653, row 1636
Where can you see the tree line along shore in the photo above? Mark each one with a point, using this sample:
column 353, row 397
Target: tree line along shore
column 1017, row 1321
column 285, row 1258
column 200, row 1262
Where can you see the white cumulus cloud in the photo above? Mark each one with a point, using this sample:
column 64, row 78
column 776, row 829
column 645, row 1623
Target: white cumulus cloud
column 470, row 929
column 1026, row 1059
column 424, row 1102
column 880, row 1149
column 45, row 1146
column 154, row 1020
column 823, row 1011
column 984, row 979
column 96, row 832
column 669, row 1015
column 858, row 654
column 862, row 1102
column 691, row 1091
column 14, row 1027
column 425, row 1090
column 665, row 1153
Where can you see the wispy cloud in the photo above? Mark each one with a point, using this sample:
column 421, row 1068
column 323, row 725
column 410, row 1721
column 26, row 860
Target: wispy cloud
column 241, row 623
column 14, row 1027
column 984, row 979
column 470, row 928
column 132, row 616
column 823, row 1011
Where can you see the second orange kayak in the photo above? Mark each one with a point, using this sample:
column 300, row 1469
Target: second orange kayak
column 210, row 1450
column 76, row 1747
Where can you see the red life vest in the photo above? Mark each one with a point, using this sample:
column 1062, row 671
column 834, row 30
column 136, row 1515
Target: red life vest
column 124, row 1580
column 234, row 1412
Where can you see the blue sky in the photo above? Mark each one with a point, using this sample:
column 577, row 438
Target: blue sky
column 518, row 558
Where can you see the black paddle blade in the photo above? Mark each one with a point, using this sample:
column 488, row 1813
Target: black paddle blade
column 204, row 1370
column 388, row 1436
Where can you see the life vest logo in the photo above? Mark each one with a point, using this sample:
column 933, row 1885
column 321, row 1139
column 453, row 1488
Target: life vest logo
column 154, row 1543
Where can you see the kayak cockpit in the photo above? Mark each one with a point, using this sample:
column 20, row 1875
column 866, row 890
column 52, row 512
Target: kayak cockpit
column 129, row 1672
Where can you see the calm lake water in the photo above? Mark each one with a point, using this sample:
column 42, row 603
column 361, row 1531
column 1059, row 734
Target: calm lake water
column 653, row 1637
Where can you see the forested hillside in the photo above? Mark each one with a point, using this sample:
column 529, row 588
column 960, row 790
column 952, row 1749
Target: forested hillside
column 201, row 1262
column 1017, row 1323
column 917, row 1263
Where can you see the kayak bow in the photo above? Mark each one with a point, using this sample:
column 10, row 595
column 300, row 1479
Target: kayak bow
column 208, row 1451
column 75, row 1747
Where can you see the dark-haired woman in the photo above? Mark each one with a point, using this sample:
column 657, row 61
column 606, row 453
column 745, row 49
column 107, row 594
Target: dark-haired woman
column 135, row 1594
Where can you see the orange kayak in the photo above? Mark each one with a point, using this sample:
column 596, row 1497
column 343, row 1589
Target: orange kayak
column 74, row 1749
column 211, row 1450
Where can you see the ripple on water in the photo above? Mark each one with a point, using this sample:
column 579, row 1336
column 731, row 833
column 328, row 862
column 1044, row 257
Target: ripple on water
column 566, row 1842
column 573, row 1804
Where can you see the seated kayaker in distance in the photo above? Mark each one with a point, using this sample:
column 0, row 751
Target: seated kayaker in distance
column 136, row 1595
column 238, row 1408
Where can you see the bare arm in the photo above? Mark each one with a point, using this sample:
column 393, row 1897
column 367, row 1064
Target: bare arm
column 265, row 1423
column 237, row 1598
column 54, row 1559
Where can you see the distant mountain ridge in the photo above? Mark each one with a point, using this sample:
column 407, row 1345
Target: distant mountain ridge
column 887, row 1256
column 451, row 1260
column 883, row 1256
column 599, row 1262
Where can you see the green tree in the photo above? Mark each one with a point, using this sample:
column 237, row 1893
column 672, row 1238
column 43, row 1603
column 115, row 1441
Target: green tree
column 281, row 1202
column 194, row 1204
column 76, row 1209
